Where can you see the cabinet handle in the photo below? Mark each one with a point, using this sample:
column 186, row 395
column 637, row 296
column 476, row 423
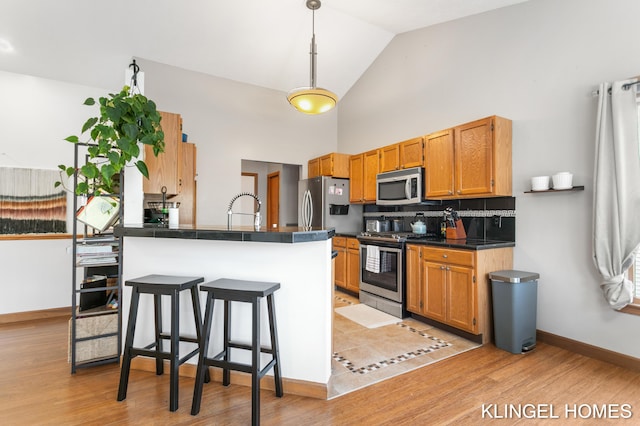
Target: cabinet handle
column 442, row 268
column 450, row 192
column 448, row 269
column 459, row 192
column 445, row 255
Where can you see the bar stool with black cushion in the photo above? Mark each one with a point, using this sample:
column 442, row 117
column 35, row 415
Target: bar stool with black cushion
column 159, row 285
column 230, row 290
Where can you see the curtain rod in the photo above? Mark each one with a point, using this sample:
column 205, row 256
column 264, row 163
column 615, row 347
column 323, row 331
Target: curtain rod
column 625, row 86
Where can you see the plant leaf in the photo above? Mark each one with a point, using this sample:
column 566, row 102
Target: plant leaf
column 143, row 168
column 72, row 139
column 89, row 101
column 89, row 124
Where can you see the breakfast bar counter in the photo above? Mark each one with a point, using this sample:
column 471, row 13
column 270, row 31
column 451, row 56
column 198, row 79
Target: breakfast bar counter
column 300, row 260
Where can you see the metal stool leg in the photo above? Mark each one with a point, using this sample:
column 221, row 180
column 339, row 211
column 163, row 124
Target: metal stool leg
column 204, row 347
column 126, row 358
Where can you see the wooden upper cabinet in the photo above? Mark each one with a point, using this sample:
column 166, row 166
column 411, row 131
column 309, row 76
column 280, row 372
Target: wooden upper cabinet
column 439, row 164
column 402, row 155
column 334, row 164
column 356, row 179
column 363, row 169
column 483, row 158
column 390, row 158
column 165, row 169
column 470, row 160
column 411, row 153
column 371, row 169
column 188, row 191
column 313, row 168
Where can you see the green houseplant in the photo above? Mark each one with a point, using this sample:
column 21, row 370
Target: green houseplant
column 125, row 121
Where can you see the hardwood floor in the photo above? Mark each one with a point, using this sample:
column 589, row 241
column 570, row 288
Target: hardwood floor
column 36, row 388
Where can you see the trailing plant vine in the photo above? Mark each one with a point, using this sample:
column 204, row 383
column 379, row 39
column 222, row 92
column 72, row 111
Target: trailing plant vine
column 125, row 121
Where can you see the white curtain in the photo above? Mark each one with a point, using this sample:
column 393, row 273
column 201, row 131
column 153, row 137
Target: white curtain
column 616, row 201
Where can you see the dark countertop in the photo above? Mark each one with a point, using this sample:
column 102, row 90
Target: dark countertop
column 469, row 244
column 289, row 234
column 347, row 234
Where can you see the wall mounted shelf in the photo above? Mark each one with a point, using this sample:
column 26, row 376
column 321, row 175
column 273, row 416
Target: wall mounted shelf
column 575, row 188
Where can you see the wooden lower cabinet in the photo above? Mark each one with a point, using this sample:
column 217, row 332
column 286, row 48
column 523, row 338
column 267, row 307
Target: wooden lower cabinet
column 347, row 266
column 452, row 286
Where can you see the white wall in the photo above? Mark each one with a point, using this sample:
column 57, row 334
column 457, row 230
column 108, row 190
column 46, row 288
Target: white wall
column 37, row 114
column 228, row 121
column 537, row 64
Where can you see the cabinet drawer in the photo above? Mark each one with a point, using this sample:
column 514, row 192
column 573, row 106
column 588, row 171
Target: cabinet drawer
column 459, row 257
column 339, row 241
column 352, row 243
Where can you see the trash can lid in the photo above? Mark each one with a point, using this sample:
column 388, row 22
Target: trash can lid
column 511, row 276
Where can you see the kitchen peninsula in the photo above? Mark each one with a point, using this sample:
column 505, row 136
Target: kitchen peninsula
column 298, row 259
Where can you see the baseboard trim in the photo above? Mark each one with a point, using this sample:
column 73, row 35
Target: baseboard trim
column 289, row 386
column 590, row 351
column 36, row 315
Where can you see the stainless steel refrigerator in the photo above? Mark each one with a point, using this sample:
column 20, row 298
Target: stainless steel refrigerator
column 323, row 202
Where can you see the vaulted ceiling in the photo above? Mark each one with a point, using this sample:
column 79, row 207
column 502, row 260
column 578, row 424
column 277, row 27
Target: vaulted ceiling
column 264, row 43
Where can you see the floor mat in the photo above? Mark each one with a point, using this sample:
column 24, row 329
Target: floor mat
column 367, row 316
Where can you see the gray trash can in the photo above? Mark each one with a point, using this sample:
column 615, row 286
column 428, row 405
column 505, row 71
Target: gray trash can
column 515, row 299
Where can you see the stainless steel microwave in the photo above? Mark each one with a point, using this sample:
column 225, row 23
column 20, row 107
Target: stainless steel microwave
column 400, row 186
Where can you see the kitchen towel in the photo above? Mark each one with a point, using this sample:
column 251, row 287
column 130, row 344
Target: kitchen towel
column 373, row 259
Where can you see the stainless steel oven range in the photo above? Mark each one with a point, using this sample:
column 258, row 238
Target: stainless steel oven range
column 382, row 271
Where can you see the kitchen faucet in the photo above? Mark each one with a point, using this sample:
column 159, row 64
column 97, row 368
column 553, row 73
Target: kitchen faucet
column 256, row 222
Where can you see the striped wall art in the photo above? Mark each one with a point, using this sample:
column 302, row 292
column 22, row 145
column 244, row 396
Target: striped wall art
column 29, row 202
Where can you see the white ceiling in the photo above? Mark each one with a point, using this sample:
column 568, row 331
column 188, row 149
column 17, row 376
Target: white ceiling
column 264, row 43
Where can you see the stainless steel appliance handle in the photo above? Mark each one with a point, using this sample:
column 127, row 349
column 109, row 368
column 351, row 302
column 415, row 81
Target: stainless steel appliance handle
column 407, row 188
column 310, row 208
column 307, row 209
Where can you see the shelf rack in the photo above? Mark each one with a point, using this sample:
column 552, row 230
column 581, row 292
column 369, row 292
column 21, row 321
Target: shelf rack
column 99, row 320
column 575, row 188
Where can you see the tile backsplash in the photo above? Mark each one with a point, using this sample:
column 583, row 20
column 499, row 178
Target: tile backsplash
column 489, row 218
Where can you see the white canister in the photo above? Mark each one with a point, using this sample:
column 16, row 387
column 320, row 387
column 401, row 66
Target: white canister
column 540, row 183
column 562, row 180
column 174, row 217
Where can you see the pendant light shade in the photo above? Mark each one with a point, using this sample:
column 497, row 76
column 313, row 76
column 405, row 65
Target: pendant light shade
column 312, row 99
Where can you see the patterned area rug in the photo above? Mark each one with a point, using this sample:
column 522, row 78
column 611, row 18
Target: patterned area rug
column 363, row 356
column 431, row 344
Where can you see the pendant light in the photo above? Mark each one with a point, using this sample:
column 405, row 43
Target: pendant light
column 312, row 99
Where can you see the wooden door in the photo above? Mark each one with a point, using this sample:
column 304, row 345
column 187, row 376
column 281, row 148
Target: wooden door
column 166, row 168
column 326, row 165
column 389, row 158
column 353, row 268
column 439, row 164
column 313, row 168
column 412, row 153
column 273, row 200
column 356, row 183
column 414, row 279
column 435, row 276
column 188, row 191
column 462, row 306
column 474, row 158
column 341, row 267
column 371, row 169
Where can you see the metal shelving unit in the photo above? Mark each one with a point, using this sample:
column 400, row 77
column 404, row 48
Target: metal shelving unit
column 95, row 333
